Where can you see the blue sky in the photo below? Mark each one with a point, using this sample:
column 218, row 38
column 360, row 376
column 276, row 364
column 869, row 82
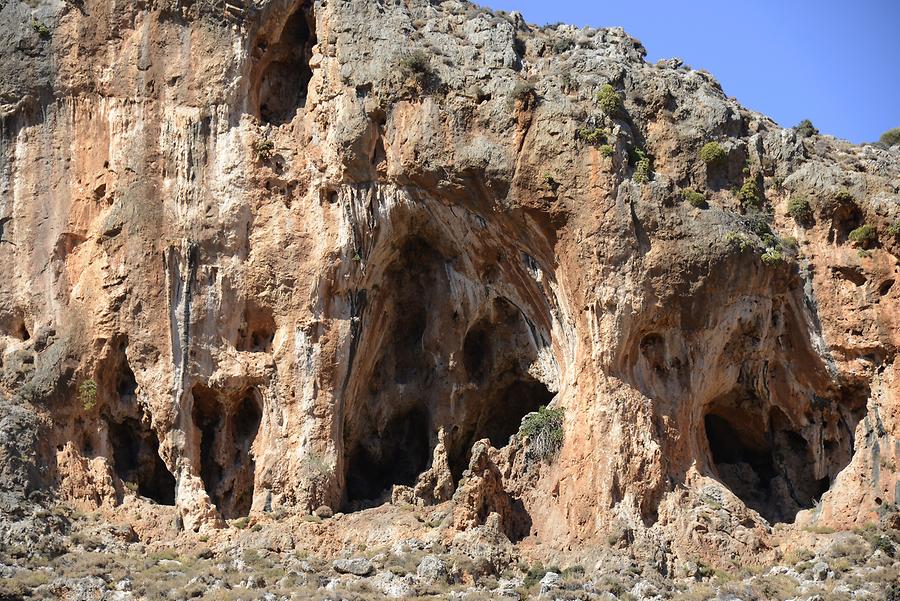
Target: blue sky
column 834, row 62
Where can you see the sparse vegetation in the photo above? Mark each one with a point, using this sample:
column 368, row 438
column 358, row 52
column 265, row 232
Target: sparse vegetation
column 893, row 230
column 772, row 256
column 609, row 100
column 562, row 44
column 800, row 209
column 891, row 137
column 40, row 28
column 749, row 195
column 544, row 430
column 263, row 149
column 864, row 236
column 524, row 93
column 416, row 67
column 694, row 198
column 569, row 83
column 805, row 129
column 739, row 240
column 87, row 394
column 607, row 150
column 643, row 165
column 712, row 153
column 595, row 136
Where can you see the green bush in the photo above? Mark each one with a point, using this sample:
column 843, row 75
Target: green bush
column 749, row 194
column 694, row 198
column 891, row 137
column 738, row 240
column 772, row 256
column 595, row 136
column 643, row 165
column 87, row 394
column 607, row 150
column 40, row 28
column 800, row 209
column 609, row 100
column 805, row 129
column 844, row 196
column 864, row 236
column 544, row 430
column 712, row 153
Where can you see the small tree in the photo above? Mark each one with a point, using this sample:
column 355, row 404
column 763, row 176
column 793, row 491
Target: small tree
column 544, row 430
column 749, row 194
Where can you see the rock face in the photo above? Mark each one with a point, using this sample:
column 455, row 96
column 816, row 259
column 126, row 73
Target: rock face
column 283, row 254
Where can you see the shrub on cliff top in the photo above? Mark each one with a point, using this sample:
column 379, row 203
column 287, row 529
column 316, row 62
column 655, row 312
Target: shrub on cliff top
column 712, row 153
column 891, row 137
column 805, row 129
column 609, row 100
column 544, row 429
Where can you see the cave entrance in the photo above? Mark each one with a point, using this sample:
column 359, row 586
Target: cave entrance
column 285, row 79
column 133, row 444
column 397, row 455
column 227, row 433
column 137, row 463
column 497, row 353
column 768, row 463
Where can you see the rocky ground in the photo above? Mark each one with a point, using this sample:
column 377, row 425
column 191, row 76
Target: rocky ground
column 251, row 559
column 254, row 559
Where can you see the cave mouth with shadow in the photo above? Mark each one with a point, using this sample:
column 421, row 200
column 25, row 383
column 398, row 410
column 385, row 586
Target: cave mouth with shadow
column 770, row 463
column 227, row 432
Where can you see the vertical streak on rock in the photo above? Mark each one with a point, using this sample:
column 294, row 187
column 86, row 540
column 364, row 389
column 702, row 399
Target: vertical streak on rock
column 179, row 282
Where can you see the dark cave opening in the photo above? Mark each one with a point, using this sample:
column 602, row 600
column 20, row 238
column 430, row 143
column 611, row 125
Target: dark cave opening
column 285, row 81
column 476, row 353
column 137, row 463
column 209, row 420
column 395, row 456
column 227, row 465
column 767, row 462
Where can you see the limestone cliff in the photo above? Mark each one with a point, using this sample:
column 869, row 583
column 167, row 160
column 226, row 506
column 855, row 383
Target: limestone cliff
column 272, row 256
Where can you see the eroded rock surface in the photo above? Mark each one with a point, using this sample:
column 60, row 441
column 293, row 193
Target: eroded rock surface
column 269, row 257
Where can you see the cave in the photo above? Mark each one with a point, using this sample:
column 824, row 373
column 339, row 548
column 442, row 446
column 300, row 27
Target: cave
column 768, row 463
column 227, row 465
column 286, row 75
column 396, row 455
column 388, row 425
column 136, row 460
